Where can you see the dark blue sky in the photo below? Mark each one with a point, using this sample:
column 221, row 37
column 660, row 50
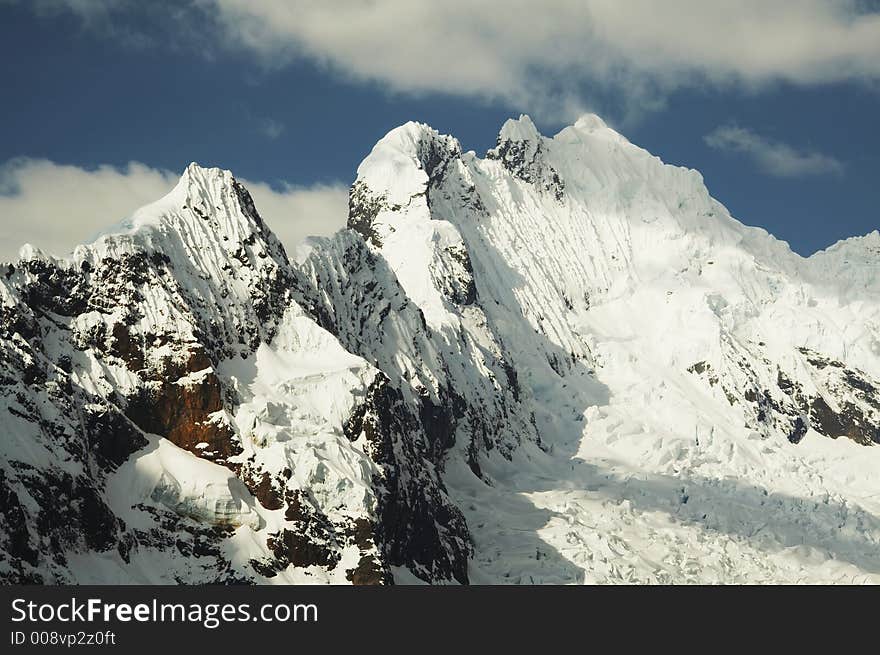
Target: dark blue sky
column 76, row 96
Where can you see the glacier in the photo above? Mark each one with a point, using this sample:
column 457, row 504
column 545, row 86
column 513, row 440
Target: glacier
column 561, row 362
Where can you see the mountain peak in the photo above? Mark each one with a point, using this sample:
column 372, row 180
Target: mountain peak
column 403, row 161
column 590, row 123
column 499, row 356
column 520, row 129
column 412, row 141
column 197, row 174
column 201, row 192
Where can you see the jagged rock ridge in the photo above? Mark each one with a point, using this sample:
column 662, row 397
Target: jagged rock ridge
column 563, row 362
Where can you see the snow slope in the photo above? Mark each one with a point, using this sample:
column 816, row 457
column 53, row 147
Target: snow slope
column 686, row 371
column 563, row 362
column 170, row 414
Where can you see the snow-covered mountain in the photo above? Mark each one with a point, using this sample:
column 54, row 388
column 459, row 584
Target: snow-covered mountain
column 561, row 362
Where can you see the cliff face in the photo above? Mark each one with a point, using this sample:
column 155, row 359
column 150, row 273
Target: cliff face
column 172, row 414
column 563, row 362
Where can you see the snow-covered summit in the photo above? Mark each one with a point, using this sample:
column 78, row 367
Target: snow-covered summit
column 388, row 170
column 164, row 388
column 190, row 207
column 561, row 362
column 590, row 123
column 521, row 129
column 619, row 288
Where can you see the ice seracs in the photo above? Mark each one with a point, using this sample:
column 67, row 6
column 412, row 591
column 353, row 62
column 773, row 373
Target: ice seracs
column 620, row 288
column 562, row 362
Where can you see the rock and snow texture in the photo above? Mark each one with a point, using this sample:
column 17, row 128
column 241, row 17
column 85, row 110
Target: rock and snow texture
column 704, row 398
column 561, row 363
column 170, row 413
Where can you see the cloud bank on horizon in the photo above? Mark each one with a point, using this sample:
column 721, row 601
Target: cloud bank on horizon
column 83, row 202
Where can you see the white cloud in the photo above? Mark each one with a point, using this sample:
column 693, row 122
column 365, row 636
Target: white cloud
column 772, row 157
column 298, row 212
column 538, row 55
column 554, row 58
column 55, row 206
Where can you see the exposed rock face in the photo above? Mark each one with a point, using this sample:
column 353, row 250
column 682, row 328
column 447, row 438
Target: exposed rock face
column 162, row 328
column 362, row 211
column 811, row 391
column 422, row 528
column 185, row 411
column 505, row 370
column 520, row 151
column 616, row 310
column 856, row 414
